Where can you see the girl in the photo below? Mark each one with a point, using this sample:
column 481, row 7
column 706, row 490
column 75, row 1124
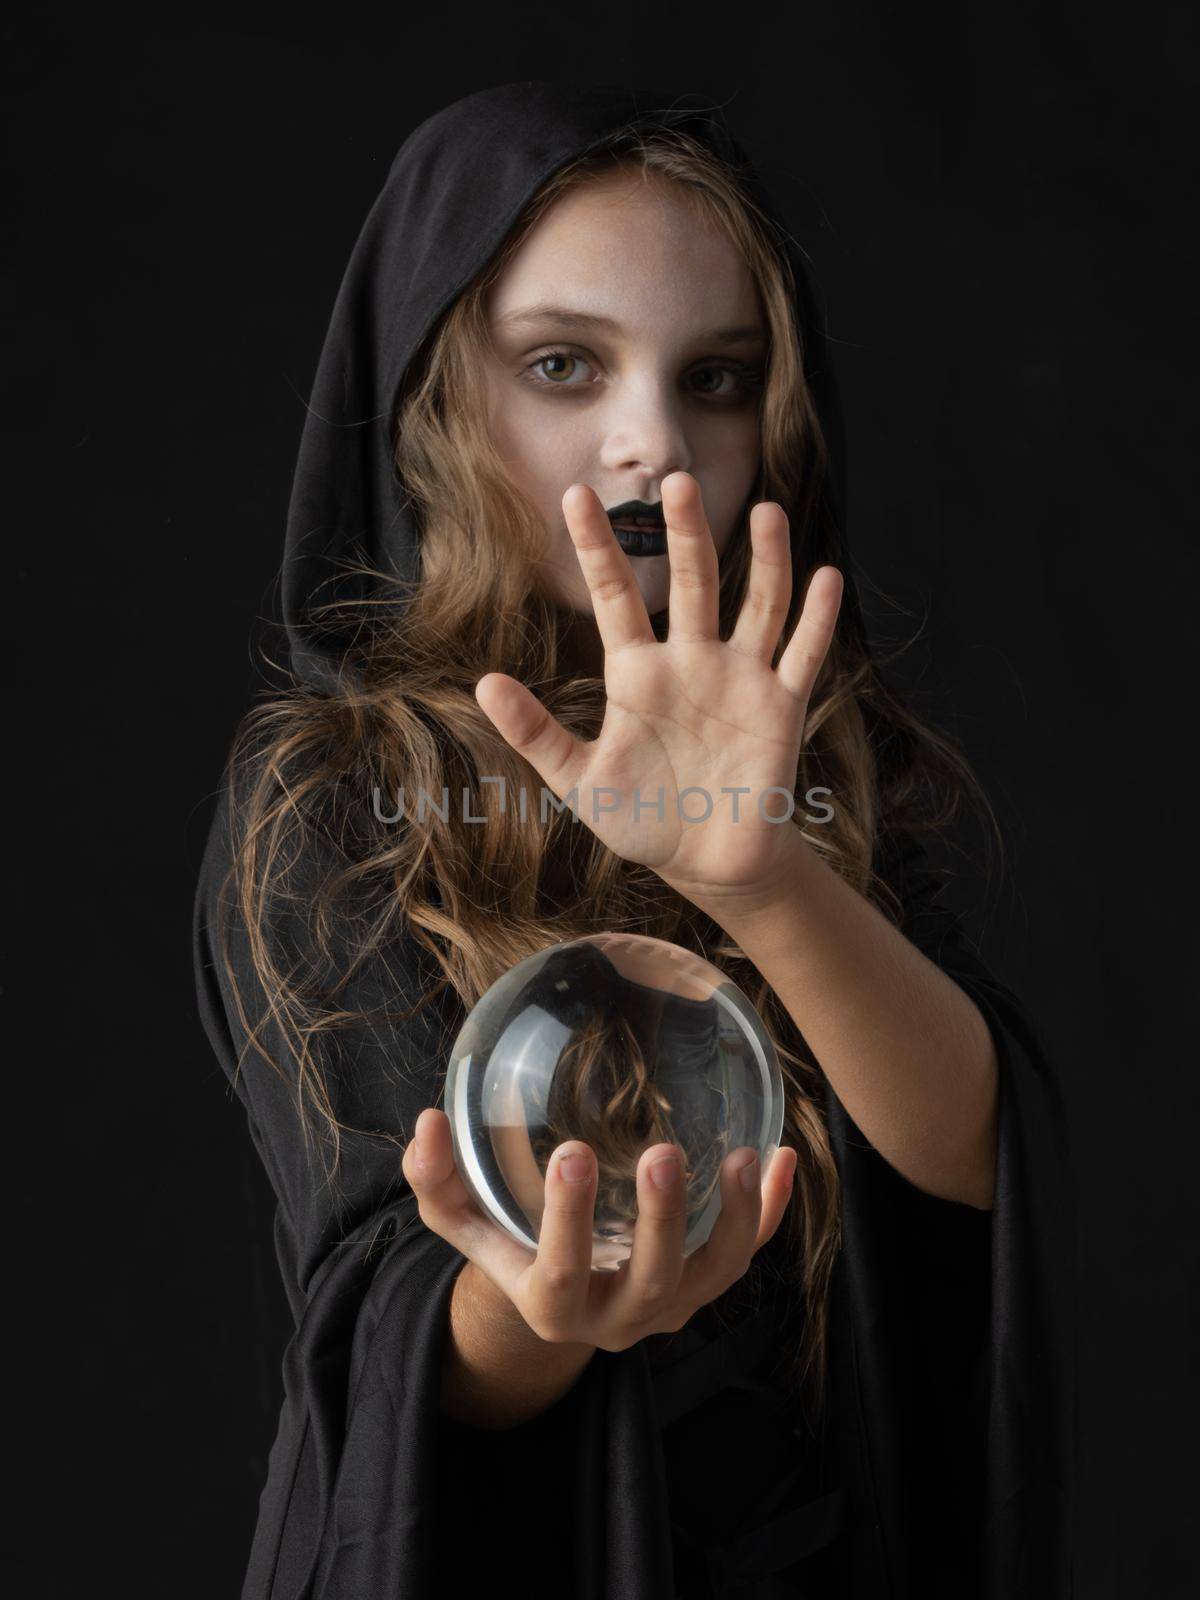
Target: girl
column 567, row 518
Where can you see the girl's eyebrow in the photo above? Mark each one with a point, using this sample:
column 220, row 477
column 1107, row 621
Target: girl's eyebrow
column 544, row 312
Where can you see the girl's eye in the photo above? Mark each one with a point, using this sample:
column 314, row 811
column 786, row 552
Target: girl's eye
column 557, row 368
column 557, row 379
column 744, row 379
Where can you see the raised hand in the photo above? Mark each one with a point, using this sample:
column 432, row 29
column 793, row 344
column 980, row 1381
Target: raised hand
column 689, row 720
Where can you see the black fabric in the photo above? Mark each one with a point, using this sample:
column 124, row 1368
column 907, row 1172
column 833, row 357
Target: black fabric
column 668, row 1469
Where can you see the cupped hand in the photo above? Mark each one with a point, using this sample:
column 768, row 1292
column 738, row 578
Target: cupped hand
column 556, row 1290
column 704, row 730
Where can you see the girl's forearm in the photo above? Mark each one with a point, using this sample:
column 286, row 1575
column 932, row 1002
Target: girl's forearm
column 496, row 1372
column 908, row 1053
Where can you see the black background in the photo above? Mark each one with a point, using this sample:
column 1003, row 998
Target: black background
column 998, row 204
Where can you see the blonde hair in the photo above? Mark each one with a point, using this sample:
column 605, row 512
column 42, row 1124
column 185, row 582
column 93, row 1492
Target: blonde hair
column 481, row 897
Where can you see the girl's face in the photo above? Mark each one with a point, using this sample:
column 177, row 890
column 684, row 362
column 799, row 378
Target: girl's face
column 627, row 342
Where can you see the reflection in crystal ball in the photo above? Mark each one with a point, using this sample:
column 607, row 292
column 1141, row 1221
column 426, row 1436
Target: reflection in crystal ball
column 623, row 1042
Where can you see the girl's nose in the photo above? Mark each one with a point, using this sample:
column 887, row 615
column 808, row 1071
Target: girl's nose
column 646, row 434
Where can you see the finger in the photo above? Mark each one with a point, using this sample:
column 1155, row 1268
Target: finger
column 428, row 1158
column 695, row 571
column 617, row 602
column 448, row 1208
column 521, row 719
column 776, row 1192
column 809, row 644
column 769, row 596
column 556, row 1292
column 428, row 1165
column 749, row 1217
column 655, row 1266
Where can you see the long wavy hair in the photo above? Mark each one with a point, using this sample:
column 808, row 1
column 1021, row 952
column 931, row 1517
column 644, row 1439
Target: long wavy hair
column 480, row 897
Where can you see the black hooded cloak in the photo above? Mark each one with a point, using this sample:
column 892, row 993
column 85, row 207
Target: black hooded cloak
column 679, row 1467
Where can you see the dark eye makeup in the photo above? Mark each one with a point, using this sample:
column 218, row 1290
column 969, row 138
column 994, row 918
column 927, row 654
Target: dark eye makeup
column 749, row 379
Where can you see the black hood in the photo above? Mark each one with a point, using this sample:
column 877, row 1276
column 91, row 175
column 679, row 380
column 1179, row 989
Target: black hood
column 454, row 190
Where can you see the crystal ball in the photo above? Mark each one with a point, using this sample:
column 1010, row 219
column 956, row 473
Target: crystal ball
column 621, row 1041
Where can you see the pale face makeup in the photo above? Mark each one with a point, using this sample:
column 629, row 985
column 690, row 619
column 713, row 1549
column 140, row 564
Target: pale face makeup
column 656, row 369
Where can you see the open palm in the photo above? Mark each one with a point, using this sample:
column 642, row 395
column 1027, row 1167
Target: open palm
column 694, row 727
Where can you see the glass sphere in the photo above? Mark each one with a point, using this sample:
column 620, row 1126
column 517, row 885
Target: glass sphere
column 623, row 1042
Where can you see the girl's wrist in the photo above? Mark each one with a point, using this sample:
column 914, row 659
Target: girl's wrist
column 496, row 1371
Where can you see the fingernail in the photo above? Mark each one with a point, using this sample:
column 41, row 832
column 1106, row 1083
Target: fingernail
column 574, row 1168
column 748, row 1174
column 663, row 1173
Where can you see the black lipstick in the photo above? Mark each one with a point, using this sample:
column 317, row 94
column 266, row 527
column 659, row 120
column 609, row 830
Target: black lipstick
column 640, row 528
